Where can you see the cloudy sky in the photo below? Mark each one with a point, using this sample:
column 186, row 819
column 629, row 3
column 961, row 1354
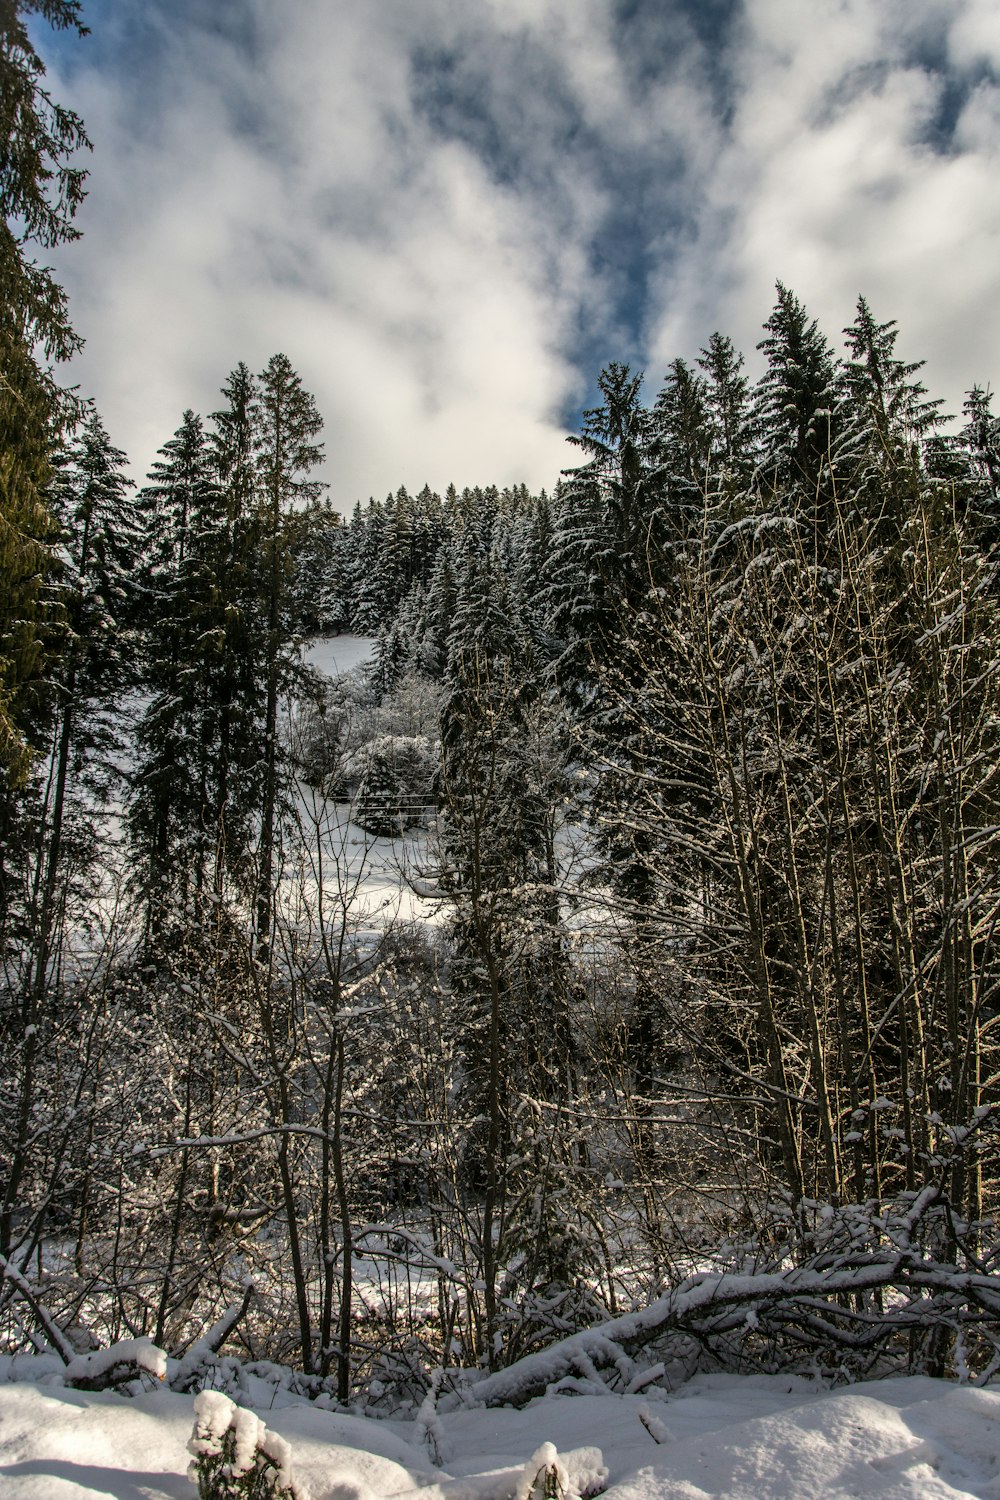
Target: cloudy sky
column 450, row 213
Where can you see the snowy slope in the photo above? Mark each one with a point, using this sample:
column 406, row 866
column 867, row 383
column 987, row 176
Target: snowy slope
column 742, row 1438
column 383, row 874
column 335, row 654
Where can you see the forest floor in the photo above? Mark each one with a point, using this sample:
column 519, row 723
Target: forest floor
column 738, row 1437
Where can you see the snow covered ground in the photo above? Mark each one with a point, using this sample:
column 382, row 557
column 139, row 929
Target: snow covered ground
column 334, row 655
column 384, row 875
column 382, row 878
column 742, row 1438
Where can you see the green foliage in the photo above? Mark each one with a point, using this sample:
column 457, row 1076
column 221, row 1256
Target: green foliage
column 40, row 192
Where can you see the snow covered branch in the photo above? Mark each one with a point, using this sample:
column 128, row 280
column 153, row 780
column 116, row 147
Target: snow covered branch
column 46, row 1321
column 828, row 1300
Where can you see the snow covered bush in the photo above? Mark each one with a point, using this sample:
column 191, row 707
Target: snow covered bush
column 109, row 1369
column 543, row 1477
column 235, row 1457
column 395, row 785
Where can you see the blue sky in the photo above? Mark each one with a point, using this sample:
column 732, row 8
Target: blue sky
column 451, row 213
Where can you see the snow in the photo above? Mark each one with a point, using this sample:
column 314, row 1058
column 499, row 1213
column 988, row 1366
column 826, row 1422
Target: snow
column 139, row 1353
column 376, row 876
column 737, row 1437
column 333, row 655
column 381, row 874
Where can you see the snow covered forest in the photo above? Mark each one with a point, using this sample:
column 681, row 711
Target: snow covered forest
column 595, row 983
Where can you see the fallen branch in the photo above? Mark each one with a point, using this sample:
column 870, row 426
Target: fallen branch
column 204, row 1348
column 821, row 1297
column 106, row 1369
column 46, row 1321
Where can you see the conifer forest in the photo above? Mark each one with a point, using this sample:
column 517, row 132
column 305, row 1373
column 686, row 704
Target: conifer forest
column 677, row 1044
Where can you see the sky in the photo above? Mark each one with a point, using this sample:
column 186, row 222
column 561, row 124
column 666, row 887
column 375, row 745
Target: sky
column 450, row 214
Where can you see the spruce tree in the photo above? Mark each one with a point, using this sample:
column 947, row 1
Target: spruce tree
column 889, row 409
column 319, row 586
column 39, row 195
column 606, row 533
column 100, row 543
column 286, row 453
column 682, row 449
column 980, row 441
column 176, row 810
column 99, row 599
column 729, row 400
column 799, row 408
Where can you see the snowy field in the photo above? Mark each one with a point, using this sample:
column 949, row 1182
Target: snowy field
column 385, row 876
column 730, row 1437
column 333, row 655
column 383, row 879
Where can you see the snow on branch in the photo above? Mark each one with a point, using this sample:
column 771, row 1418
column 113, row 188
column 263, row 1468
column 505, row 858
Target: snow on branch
column 821, row 1296
column 204, row 1349
column 105, row 1369
column 46, row 1321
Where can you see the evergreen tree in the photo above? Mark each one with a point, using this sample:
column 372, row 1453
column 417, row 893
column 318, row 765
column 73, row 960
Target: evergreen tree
column 39, row 195
column 234, row 444
column 372, row 585
column 889, row 409
column 286, row 452
column 99, row 602
column 97, row 598
column 102, row 531
column 799, row 408
column 729, row 401
column 181, row 819
column 683, row 448
column 319, row 587
column 442, row 596
column 180, row 480
column 980, row 440
column 606, row 533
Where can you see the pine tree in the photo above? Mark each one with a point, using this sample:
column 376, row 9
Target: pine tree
column 607, row 538
column 799, row 408
column 442, row 595
column 97, row 595
column 890, row 409
column 234, row 443
column 103, row 539
column 100, row 602
column 319, row 587
column 980, row 440
column 729, row 400
column 286, row 452
column 370, row 572
column 683, row 449
column 616, row 440
column 180, row 480
column 39, row 195
column 176, row 812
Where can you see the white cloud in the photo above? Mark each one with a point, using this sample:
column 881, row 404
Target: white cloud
column 424, row 304
column 832, row 180
column 975, row 34
column 413, row 203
